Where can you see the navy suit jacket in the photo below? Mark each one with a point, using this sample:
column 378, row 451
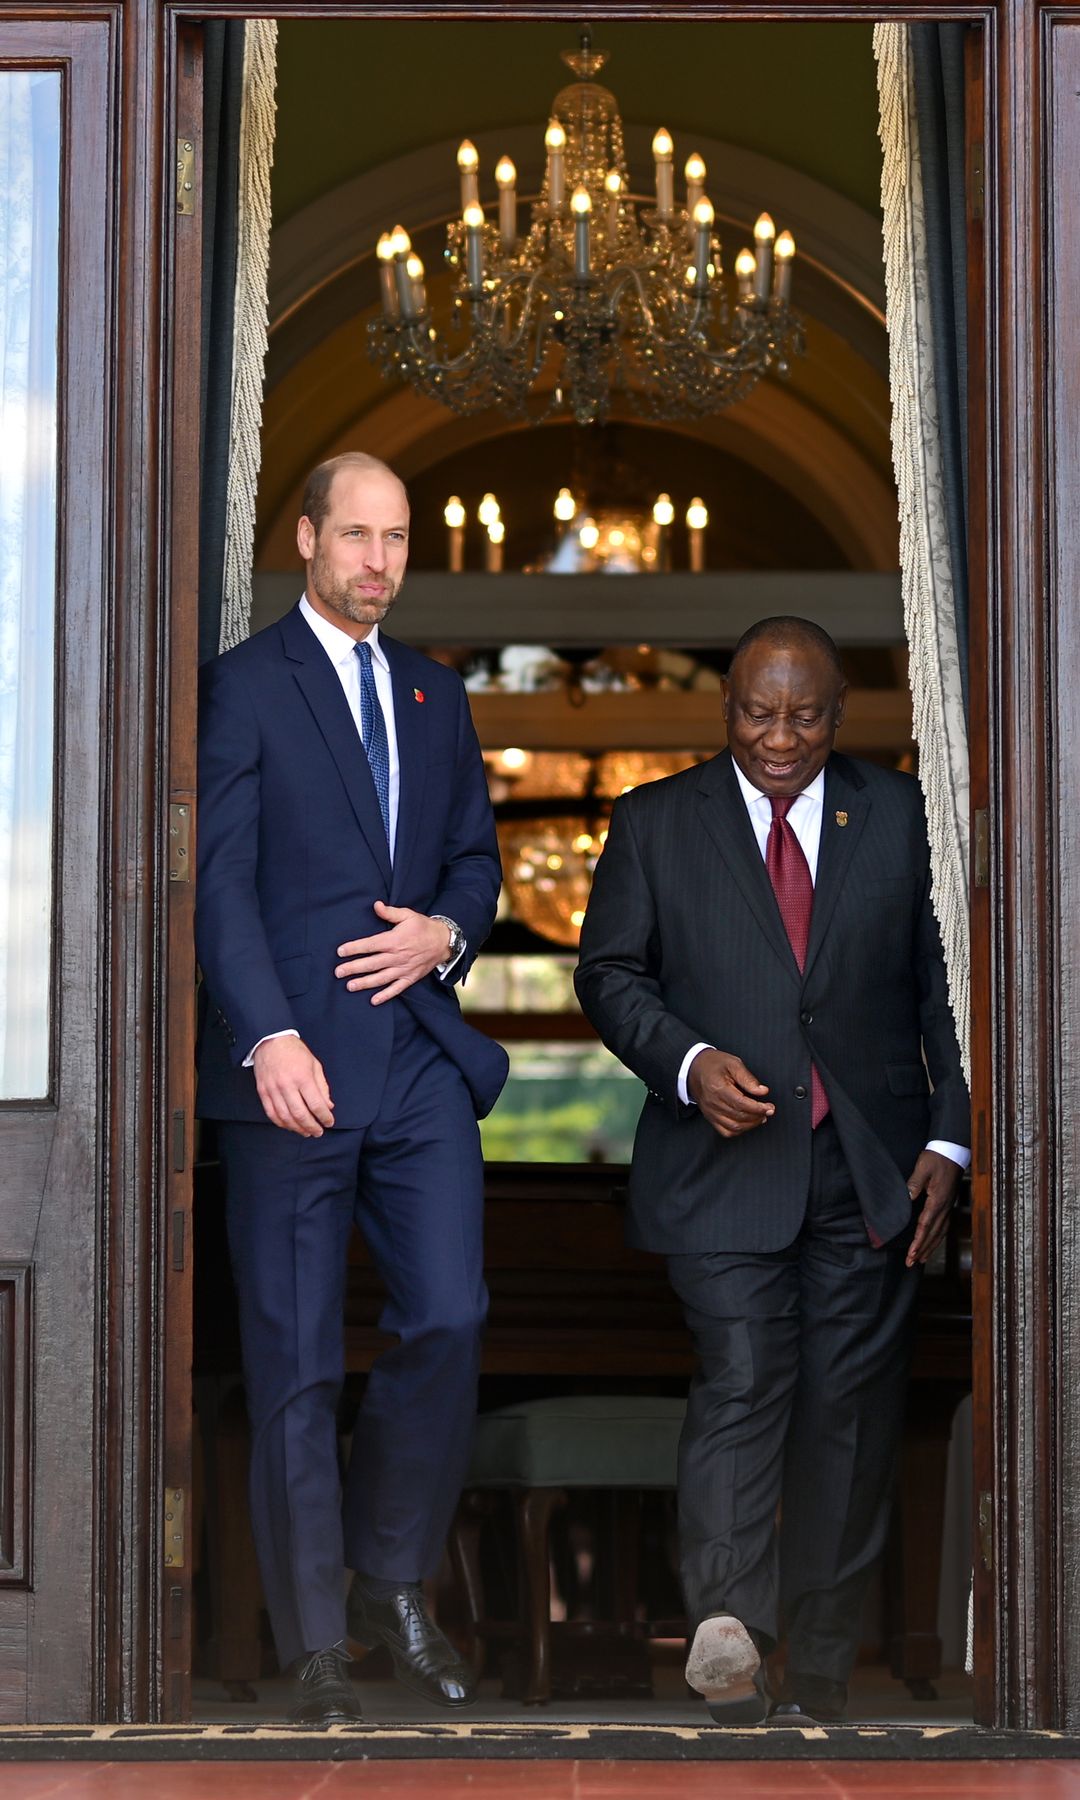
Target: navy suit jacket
column 292, row 857
column 683, row 942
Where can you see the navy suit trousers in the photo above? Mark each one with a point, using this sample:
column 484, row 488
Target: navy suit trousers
column 413, row 1182
column 797, row 1404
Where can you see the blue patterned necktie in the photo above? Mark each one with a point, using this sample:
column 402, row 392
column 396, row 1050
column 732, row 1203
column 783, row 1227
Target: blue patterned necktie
column 373, row 727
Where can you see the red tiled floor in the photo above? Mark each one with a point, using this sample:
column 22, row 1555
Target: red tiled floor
column 460, row 1780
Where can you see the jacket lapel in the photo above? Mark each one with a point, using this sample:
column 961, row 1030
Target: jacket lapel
column 724, row 815
column 318, row 682
column 843, row 816
column 411, row 724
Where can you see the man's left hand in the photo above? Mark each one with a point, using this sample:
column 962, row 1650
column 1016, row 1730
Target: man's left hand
column 938, row 1177
column 394, row 960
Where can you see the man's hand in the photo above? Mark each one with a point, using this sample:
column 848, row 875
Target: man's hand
column 726, row 1093
column 394, row 960
column 292, row 1087
column 938, row 1177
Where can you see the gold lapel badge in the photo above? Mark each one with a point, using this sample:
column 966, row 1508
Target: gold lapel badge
column 841, row 818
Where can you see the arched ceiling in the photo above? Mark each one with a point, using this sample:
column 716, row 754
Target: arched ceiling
column 368, row 117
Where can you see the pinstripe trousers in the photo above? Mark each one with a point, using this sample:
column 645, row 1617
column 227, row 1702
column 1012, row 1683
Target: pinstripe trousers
column 797, row 1404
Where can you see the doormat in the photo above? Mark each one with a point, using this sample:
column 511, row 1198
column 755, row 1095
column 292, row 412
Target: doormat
column 529, row 1741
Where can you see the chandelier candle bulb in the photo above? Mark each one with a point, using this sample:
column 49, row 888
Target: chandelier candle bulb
column 703, row 224
column 697, row 517
column 785, row 256
column 745, row 267
column 473, row 220
column 555, row 141
column 695, row 181
column 581, row 207
column 468, row 162
column 589, row 535
column 387, row 280
column 454, row 514
column 613, row 189
column 414, row 270
column 493, row 550
column 664, row 151
column 505, row 180
column 488, row 512
column 764, row 239
column 565, row 507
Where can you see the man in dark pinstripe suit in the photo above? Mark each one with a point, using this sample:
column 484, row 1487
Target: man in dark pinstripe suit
column 761, row 949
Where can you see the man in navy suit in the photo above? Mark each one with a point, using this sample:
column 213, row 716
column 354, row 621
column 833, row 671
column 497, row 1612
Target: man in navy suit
column 348, row 874
column 761, row 948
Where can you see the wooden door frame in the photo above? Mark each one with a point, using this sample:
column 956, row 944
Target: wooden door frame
column 1025, row 980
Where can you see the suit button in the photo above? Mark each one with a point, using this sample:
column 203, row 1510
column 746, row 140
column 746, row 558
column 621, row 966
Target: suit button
column 807, row 1018
column 800, row 1092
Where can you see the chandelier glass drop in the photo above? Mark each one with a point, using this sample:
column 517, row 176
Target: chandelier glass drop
column 602, row 295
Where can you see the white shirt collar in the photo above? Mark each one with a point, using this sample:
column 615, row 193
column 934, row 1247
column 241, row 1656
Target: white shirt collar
column 815, row 793
column 339, row 646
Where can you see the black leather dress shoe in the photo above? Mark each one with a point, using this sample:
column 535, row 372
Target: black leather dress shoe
column 323, row 1693
column 810, row 1700
column 424, row 1659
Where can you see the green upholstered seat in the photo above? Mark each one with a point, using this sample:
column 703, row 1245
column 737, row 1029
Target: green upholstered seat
column 584, row 1440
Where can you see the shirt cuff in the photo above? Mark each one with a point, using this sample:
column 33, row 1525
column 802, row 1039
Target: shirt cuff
column 683, row 1091
column 955, row 1152
column 290, row 1031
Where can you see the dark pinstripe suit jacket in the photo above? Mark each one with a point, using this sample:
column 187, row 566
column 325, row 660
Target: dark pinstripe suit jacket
column 683, row 942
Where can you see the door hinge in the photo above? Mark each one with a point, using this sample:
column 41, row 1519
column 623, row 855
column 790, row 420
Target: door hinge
column 185, row 175
column 180, row 840
column 982, row 848
column 174, row 1528
column 986, row 1531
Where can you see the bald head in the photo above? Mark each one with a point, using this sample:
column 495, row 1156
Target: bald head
column 316, row 502
column 786, row 632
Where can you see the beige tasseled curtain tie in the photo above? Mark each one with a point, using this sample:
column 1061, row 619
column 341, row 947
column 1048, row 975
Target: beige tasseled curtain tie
column 257, row 121
column 925, row 560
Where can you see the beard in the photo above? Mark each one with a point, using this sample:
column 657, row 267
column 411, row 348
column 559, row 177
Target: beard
column 343, row 596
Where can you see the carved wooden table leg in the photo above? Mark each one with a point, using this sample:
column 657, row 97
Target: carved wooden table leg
column 534, row 1509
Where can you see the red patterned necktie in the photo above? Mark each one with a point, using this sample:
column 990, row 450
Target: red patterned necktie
column 789, row 873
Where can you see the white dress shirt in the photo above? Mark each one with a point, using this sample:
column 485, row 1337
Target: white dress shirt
column 804, row 817
column 341, row 649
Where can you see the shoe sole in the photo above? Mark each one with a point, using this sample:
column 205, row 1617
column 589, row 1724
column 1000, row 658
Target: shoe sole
column 750, row 1708
column 373, row 1640
column 723, row 1660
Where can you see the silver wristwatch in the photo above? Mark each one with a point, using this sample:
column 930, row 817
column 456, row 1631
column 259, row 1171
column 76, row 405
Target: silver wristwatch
column 457, row 941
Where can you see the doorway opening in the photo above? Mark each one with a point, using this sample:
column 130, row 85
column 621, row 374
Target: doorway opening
column 807, row 507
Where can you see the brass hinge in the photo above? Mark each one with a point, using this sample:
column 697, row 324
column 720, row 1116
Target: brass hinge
column 185, row 175
column 982, row 848
column 977, row 180
column 174, row 1528
column 986, row 1531
column 180, row 840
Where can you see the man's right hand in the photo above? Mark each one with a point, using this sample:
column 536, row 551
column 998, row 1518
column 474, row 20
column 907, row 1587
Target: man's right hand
column 723, row 1088
column 292, row 1086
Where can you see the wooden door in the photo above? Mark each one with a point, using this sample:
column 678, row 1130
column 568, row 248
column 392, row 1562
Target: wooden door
column 56, row 99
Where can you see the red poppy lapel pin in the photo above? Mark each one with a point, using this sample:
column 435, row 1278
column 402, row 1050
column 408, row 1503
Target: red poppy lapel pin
column 418, row 696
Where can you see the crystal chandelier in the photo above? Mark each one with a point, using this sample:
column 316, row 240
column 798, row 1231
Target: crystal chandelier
column 601, row 294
